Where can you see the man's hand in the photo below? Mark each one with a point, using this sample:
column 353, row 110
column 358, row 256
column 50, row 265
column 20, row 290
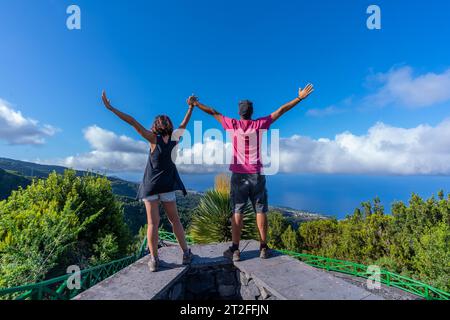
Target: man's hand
column 106, row 101
column 304, row 93
column 192, row 100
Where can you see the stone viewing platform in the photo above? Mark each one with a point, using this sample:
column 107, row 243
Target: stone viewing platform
column 211, row 276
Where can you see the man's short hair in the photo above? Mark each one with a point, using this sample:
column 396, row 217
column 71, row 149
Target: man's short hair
column 246, row 109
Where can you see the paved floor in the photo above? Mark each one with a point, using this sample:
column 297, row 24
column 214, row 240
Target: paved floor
column 284, row 276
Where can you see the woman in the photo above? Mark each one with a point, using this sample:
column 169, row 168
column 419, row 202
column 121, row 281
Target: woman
column 161, row 178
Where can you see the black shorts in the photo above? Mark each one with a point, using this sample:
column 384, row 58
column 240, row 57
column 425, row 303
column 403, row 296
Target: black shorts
column 246, row 186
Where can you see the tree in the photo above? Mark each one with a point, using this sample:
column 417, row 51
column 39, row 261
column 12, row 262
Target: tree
column 432, row 258
column 375, row 234
column 290, row 239
column 33, row 241
column 56, row 222
column 413, row 241
column 319, row 235
column 277, row 225
column 105, row 250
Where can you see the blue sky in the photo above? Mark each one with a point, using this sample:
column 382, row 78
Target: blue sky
column 150, row 55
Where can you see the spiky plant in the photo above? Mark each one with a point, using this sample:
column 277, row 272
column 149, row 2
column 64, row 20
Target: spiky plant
column 211, row 220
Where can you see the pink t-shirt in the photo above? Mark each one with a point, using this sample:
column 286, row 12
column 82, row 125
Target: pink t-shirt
column 246, row 137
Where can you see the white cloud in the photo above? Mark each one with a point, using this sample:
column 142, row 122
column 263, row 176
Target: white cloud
column 211, row 152
column 399, row 86
column 110, row 152
column 104, row 140
column 17, row 129
column 113, row 153
column 106, row 161
column 383, row 149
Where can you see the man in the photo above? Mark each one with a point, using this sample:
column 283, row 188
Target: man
column 247, row 181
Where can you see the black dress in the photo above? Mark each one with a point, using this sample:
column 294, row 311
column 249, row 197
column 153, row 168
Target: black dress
column 161, row 174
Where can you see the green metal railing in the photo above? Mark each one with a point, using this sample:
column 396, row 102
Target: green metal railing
column 170, row 237
column 387, row 278
column 56, row 288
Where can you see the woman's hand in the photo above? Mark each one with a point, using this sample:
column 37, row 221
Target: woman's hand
column 106, row 101
column 192, row 100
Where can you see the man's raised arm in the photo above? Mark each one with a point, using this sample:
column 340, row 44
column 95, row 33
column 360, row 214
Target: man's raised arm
column 193, row 100
column 302, row 94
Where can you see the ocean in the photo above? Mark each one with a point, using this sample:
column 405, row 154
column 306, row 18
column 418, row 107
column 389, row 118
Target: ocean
column 337, row 195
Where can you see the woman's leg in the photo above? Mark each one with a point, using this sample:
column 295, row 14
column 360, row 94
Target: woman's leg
column 174, row 219
column 152, row 208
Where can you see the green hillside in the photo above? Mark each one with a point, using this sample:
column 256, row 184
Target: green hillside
column 10, row 181
column 29, row 170
column 15, row 173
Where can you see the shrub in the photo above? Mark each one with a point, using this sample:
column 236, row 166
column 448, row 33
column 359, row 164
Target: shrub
column 59, row 221
column 211, row 220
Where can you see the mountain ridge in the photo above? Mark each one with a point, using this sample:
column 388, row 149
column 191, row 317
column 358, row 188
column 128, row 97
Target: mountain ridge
column 30, row 170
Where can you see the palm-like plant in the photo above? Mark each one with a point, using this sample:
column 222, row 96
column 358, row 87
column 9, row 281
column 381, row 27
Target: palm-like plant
column 211, row 219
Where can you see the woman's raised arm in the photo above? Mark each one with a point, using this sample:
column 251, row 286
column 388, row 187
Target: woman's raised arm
column 146, row 134
column 180, row 131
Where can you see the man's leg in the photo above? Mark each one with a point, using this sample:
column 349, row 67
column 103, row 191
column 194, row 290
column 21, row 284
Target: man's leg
column 259, row 200
column 239, row 192
column 236, row 227
column 261, row 221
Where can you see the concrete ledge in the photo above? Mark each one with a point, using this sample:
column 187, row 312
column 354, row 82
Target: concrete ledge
column 279, row 277
column 290, row 279
column 136, row 282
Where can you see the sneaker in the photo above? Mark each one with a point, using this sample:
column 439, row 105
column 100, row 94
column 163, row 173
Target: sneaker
column 153, row 264
column 187, row 257
column 233, row 255
column 264, row 253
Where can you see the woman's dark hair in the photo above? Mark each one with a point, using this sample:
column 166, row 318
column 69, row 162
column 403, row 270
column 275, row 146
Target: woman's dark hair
column 162, row 126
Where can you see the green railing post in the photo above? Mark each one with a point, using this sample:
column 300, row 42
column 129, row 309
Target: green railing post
column 142, row 249
column 40, row 293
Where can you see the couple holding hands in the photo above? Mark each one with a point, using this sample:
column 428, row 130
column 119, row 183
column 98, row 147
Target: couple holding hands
column 161, row 178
